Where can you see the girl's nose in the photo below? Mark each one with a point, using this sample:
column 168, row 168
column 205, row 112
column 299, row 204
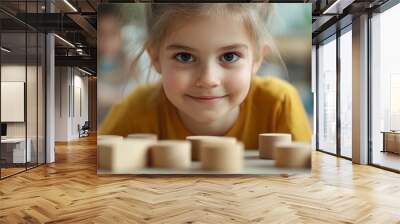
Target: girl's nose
column 209, row 76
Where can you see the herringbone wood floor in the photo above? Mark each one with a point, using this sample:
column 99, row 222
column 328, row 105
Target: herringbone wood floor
column 69, row 191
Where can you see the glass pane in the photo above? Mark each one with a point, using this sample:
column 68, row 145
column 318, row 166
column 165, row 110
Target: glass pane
column 13, row 87
column 31, row 98
column 386, row 89
column 327, row 97
column 31, row 86
column 346, row 94
column 41, row 98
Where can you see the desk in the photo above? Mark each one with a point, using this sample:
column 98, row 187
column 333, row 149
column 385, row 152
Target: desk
column 13, row 150
column 391, row 141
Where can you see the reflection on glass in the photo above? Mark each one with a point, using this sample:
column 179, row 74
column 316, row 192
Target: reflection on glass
column 346, row 94
column 327, row 97
column 41, row 99
column 31, row 100
column 22, row 92
column 14, row 151
column 385, row 89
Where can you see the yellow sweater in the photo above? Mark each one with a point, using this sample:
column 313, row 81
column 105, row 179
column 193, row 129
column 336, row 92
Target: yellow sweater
column 272, row 105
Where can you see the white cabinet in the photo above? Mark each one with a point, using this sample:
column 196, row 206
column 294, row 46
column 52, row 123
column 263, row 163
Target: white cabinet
column 13, row 150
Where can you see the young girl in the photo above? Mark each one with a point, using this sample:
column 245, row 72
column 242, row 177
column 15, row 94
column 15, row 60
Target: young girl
column 208, row 56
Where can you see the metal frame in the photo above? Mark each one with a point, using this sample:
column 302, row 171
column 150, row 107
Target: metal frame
column 339, row 32
column 338, row 98
column 369, row 77
column 317, row 91
column 381, row 9
column 44, row 72
column 389, row 4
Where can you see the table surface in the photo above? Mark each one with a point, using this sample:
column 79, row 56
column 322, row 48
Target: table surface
column 390, row 132
column 13, row 140
column 252, row 165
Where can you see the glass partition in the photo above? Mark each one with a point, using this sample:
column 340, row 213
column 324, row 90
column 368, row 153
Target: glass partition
column 14, row 152
column 346, row 93
column 327, row 96
column 22, row 77
column 385, row 89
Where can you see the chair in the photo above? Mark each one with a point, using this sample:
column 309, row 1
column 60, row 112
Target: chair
column 84, row 130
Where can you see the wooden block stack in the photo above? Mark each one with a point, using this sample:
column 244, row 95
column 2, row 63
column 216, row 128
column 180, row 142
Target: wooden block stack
column 222, row 155
column 122, row 155
column 293, row 155
column 287, row 154
column 267, row 142
column 197, row 140
column 137, row 151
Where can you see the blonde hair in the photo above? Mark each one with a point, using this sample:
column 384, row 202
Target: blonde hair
column 160, row 16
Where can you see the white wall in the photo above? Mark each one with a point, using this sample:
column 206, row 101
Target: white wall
column 16, row 73
column 61, row 103
column 71, row 87
column 33, row 126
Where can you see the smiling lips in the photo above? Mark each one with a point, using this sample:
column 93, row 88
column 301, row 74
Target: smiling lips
column 206, row 99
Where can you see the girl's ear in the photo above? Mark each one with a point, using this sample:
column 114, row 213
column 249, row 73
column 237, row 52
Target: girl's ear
column 258, row 61
column 155, row 59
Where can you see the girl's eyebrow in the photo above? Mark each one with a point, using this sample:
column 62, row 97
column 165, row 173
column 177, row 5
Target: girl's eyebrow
column 179, row 47
column 183, row 47
column 234, row 46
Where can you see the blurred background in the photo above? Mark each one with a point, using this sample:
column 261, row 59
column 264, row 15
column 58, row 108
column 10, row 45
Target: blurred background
column 121, row 33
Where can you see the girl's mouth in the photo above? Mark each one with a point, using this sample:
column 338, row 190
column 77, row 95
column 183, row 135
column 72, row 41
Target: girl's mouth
column 206, row 99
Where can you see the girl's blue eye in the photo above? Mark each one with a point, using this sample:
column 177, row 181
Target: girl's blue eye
column 230, row 57
column 184, row 57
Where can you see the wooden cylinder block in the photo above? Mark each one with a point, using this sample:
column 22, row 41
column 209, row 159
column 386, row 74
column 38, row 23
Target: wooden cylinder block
column 123, row 156
column 267, row 142
column 143, row 136
column 105, row 148
column 293, row 155
column 197, row 140
column 173, row 154
column 222, row 155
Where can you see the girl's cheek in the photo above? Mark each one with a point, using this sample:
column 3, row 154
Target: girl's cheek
column 238, row 80
column 176, row 80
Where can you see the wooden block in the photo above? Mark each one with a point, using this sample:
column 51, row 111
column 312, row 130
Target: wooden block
column 106, row 144
column 222, row 155
column 293, row 155
column 174, row 154
column 267, row 142
column 123, row 156
column 196, row 141
column 143, row 136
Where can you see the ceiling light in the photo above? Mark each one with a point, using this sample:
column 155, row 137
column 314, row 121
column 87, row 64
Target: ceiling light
column 65, row 41
column 70, row 5
column 84, row 71
column 5, row 50
column 338, row 6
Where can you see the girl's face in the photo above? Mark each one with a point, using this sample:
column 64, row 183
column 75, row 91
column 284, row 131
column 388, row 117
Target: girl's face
column 206, row 66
